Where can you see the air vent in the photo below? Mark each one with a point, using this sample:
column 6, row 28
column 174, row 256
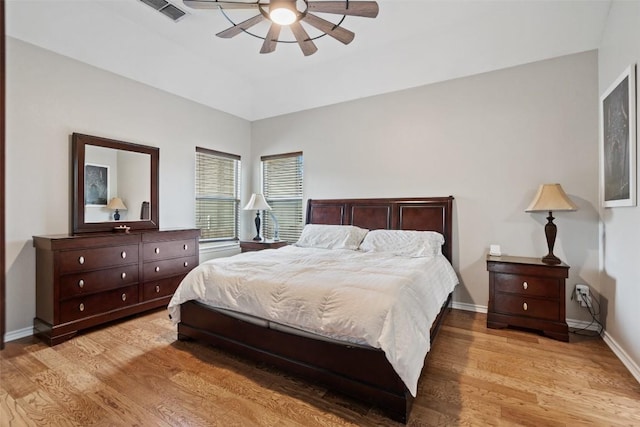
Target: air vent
column 172, row 12
column 166, row 8
column 156, row 4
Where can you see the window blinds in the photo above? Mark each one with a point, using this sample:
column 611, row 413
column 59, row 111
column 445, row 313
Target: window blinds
column 217, row 194
column 282, row 187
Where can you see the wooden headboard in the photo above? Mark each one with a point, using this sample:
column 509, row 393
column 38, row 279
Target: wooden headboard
column 423, row 214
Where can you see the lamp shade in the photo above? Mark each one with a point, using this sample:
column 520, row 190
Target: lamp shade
column 257, row 203
column 116, row 204
column 551, row 197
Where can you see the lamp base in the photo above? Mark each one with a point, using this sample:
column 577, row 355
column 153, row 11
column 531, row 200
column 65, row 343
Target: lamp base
column 550, row 231
column 257, row 222
column 551, row 259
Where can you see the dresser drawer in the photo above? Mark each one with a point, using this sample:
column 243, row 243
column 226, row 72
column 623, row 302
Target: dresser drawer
column 72, row 285
column 526, row 285
column 169, row 267
column 90, row 305
column 96, row 258
column 172, row 249
column 160, row 288
column 531, row 307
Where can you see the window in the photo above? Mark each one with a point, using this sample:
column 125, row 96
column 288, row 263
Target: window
column 217, row 194
column 282, row 187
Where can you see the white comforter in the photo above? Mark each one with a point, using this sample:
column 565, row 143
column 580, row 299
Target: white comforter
column 386, row 302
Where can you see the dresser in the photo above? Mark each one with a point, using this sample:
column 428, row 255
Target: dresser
column 254, row 245
column 86, row 280
column 527, row 293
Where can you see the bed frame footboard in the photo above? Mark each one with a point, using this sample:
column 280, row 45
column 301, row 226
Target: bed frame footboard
column 361, row 373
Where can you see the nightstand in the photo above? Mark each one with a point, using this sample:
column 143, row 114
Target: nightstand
column 527, row 293
column 254, row 245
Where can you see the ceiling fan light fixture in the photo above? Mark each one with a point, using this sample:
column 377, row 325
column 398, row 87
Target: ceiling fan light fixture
column 287, row 13
column 283, row 12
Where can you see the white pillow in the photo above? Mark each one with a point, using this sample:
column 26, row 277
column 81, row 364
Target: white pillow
column 404, row 242
column 331, row 236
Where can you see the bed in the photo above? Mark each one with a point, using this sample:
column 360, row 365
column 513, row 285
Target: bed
column 352, row 368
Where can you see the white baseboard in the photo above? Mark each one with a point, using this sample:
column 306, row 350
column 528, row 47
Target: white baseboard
column 581, row 324
column 573, row 323
column 469, row 307
column 623, row 356
column 20, row 333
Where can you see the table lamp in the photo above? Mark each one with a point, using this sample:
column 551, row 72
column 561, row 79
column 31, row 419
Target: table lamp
column 551, row 197
column 257, row 203
column 117, row 205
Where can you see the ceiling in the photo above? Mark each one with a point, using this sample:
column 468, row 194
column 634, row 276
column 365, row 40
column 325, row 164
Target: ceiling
column 409, row 44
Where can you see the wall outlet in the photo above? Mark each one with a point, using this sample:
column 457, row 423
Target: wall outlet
column 583, row 295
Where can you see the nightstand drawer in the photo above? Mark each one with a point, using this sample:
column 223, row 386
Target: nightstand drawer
column 531, row 307
column 527, row 285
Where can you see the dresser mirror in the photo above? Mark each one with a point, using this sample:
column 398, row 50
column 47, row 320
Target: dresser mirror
column 115, row 185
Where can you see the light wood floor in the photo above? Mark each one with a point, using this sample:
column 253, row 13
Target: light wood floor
column 135, row 373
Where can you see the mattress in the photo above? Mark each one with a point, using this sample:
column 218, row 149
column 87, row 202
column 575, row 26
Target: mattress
column 369, row 299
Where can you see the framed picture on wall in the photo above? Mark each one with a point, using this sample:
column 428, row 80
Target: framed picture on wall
column 618, row 141
column 96, row 185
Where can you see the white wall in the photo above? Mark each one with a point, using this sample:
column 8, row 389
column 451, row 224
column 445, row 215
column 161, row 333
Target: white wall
column 620, row 275
column 134, row 172
column 489, row 140
column 48, row 98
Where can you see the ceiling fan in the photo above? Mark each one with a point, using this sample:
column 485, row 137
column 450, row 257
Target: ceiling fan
column 286, row 13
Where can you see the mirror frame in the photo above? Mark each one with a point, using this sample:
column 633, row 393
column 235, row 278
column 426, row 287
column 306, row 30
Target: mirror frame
column 78, row 148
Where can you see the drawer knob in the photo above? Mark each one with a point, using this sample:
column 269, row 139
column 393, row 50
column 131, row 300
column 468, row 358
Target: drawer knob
column 186, row 264
column 525, row 306
column 157, row 289
column 81, row 283
column 81, row 260
column 124, row 297
column 185, row 247
column 157, row 250
column 157, row 269
column 123, row 275
column 81, row 307
column 123, row 254
column 525, row 285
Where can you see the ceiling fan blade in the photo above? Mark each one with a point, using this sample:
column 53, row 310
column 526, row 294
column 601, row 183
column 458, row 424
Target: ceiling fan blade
column 308, row 47
column 215, row 4
column 271, row 39
column 341, row 34
column 237, row 29
column 367, row 9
